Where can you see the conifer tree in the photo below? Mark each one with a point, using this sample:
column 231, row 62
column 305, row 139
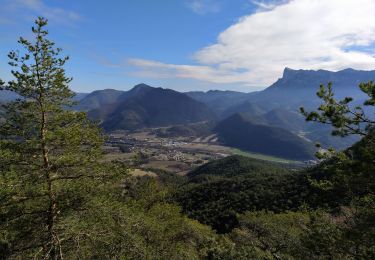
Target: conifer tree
column 48, row 153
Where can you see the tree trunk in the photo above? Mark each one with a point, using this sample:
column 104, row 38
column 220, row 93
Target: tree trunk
column 53, row 243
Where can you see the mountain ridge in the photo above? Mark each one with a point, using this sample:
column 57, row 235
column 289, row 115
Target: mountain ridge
column 145, row 106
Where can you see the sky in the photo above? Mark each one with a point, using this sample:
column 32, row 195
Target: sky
column 240, row 45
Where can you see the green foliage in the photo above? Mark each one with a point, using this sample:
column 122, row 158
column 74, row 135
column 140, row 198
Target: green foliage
column 263, row 235
column 133, row 232
column 140, row 158
column 48, row 155
column 345, row 119
column 196, row 129
column 237, row 165
column 348, row 181
column 57, row 200
column 349, row 234
column 347, row 175
column 369, row 89
column 219, row 190
column 139, row 223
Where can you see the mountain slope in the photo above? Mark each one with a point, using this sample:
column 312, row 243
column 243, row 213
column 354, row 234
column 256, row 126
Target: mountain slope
column 250, row 109
column 236, row 165
column 298, row 87
column 97, row 99
column 281, row 101
column 6, row 95
column 144, row 106
column 220, row 190
column 238, row 131
column 287, row 119
column 218, row 100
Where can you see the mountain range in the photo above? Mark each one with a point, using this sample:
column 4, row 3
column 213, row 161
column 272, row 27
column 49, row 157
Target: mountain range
column 144, row 106
column 240, row 119
column 294, row 89
column 278, row 105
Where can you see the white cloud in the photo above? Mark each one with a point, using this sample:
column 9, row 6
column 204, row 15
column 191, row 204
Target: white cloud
column 268, row 4
column 203, row 6
column 303, row 34
column 205, row 73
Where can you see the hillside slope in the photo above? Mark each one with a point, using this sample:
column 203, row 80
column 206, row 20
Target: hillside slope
column 98, row 99
column 218, row 100
column 236, row 165
column 238, row 131
column 144, row 106
column 220, row 190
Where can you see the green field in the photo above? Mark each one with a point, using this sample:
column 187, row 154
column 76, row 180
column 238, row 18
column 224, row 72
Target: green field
column 263, row 157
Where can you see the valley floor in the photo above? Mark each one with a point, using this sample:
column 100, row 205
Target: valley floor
column 147, row 151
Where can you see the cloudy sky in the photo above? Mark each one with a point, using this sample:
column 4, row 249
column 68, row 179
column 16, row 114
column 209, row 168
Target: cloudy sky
column 195, row 44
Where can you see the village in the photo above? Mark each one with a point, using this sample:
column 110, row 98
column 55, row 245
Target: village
column 146, row 150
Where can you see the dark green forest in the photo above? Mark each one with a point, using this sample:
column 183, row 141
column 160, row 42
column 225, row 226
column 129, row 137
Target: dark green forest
column 60, row 200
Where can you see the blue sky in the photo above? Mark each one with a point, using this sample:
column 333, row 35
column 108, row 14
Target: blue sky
column 195, row 44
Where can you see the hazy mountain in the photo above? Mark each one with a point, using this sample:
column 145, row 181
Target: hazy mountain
column 218, row 100
column 294, row 89
column 145, row 106
column 250, row 109
column 287, row 119
column 6, row 95
column 298, row 87
column 98, row 98
column 281, row 101
column 345, row 80
column 80, row 96
column 238, row 131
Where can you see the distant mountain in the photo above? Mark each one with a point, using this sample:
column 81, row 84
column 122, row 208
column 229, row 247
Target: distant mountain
column 218, row 100
column 278, row 105
column 145, row 106
column 80, row 96
column 240, row 132
column 294, row 89
column 298, row 87
column 97, row 99
column 344, row 80
column 287, row 119
column 250, row 109
column 6, row 95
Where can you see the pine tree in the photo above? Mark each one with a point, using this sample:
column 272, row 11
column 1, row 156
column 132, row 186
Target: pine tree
column 344, row 118
column 48, row 153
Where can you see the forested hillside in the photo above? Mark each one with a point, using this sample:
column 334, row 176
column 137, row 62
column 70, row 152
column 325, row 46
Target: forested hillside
column 238, row 131
column 220, row 190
